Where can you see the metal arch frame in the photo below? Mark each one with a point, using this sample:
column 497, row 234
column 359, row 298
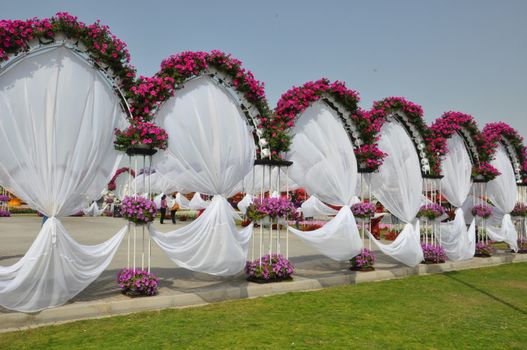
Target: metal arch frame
column 470, row 146
column 513, row 157
column 417, row 140
column 81, row 52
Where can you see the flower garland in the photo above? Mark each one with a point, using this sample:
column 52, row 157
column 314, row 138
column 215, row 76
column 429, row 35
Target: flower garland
column 296, row 100
column 111, row 185
column 148, row 94
column 451, row 123
column 103, row 47
column 434, row 145
column 496, row 133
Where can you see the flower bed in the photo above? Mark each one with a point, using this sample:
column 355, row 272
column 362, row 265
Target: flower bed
column 363, row 210
column 431, row 211
column 140, row 134
column 137, row 282
column 272, row 268
column 364, row 261
column 520, row 210
column 433, row 254
column 484, row 250
column 138, row 209
column 482, row 210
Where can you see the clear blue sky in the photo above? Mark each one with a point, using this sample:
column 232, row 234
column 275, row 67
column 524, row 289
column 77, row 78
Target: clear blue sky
column 466, row 55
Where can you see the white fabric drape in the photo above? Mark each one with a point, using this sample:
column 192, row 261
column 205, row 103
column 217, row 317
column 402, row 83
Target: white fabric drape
column 458, row 241
column 57, row 118
column 93, row 210
column 324, row 164
column 502, row 192
column 261, row 180
column 182, row 201
column 315, row 207
column 158, row 184
column 244, row 203
column 210, row 151
column 198, row 203
column 398, row 186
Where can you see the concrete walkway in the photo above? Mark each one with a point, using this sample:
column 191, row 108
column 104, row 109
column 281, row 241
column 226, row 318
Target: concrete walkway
column 183, row 288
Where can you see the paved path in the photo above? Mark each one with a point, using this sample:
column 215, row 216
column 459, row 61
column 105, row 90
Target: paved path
column 180, row 287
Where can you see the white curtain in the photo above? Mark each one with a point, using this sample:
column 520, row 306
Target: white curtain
column 315, row 207
column 57, row 118
column 502, row 192
column 458, row 241
column 158, row 183
column 398, row 186
column 324, row 164
column 261, row 180
column 210, row 151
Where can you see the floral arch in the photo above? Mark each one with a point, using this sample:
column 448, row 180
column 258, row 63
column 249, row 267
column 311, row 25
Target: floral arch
column 410, row 115
column 465, row 126
column 112, row 185
column 94, row 43
column 359, row 128
column 148, row 94
column 502, row 133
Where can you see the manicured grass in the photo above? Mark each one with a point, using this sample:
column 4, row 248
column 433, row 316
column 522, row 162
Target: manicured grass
column 474, row 309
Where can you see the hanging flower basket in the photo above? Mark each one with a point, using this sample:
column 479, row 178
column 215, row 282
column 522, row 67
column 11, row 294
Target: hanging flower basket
column 138, row 210
column 520, row 210
column 364, row 261
column 135, row 283
column 271, row 268
column 140, row 136
column 266, row 209
column 481, row 210
column 363, row 210
column 484, row 250
column 484, row 173
column 4, row 198
column 431, row 211
column 433, row 254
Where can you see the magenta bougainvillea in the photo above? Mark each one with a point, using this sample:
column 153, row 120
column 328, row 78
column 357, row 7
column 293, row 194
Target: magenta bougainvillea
column 496, row 133
column 456, row 122
column 296, row 100
column 101, row 44
column 435, row 145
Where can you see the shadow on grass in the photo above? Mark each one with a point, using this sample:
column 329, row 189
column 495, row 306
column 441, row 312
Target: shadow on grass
column 452, row 276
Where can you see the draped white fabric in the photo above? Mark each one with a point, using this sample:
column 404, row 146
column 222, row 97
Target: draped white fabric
column 210, row 150
column 458, row 241
column 502, row 192
column 398, row 186
column 324, row 164
column 57, row 118
column 182, row 201
column 198, row 203
column 244, row 203
column 93, row 210
column 315, row 207
column 158, row 184
column 334, row 239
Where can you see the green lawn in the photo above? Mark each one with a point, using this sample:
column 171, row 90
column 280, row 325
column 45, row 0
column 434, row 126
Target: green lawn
column 475, row 309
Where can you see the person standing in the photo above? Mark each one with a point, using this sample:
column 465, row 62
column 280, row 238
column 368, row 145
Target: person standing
column 174, row 208
column 163, row 209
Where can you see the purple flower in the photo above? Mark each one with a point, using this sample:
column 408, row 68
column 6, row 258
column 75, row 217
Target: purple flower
column 137, row 282
column 482, row 210
column 364, row 260
column 273, row 267
column 431, row 211
column 363, row 210
column 433, row 254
